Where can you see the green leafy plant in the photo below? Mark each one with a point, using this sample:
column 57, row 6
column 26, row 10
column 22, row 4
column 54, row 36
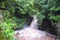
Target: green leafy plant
column 7, row 30
column 18, row 12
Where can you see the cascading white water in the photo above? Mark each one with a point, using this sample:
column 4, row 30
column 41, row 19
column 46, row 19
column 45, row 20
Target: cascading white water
column 31, row 32
column 34, row 23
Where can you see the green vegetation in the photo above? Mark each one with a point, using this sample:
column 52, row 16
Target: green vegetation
column 16, row 13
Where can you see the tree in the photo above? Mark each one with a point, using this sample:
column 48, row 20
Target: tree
column 20, row 12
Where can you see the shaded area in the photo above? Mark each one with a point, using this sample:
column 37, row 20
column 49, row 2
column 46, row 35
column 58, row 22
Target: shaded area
column 47, row 26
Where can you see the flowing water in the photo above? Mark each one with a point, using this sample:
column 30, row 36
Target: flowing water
column 32, row 32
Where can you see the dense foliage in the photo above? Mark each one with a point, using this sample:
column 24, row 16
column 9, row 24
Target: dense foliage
column 17, row 13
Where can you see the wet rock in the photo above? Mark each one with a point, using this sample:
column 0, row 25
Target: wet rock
column 33, row 34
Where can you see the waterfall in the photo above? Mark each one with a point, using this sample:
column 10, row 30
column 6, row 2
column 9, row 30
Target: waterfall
column 34, row 23
column 32, row 32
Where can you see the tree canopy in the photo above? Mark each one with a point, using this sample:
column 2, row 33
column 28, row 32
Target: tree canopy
column 17, row 13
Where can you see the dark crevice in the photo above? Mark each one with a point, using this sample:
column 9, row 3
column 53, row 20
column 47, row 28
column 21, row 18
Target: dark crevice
column 47, row 26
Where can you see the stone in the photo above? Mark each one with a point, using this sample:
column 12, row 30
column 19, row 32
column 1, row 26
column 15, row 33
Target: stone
column 33, row 34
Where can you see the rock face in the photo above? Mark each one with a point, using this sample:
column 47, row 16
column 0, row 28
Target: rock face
column 58, row 27
column 32, row 33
